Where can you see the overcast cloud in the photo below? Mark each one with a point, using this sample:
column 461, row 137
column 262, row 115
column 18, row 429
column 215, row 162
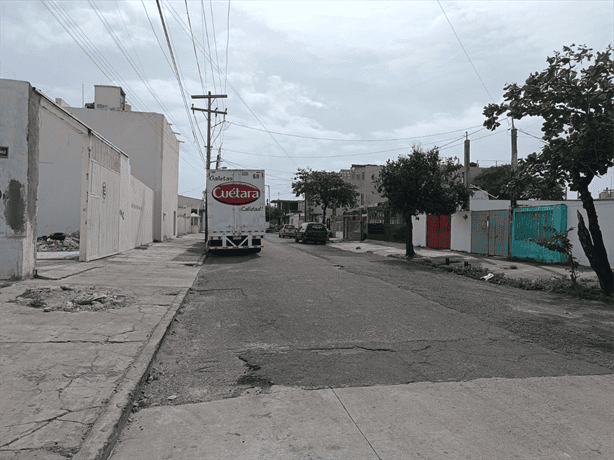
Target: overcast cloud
column 342, row 82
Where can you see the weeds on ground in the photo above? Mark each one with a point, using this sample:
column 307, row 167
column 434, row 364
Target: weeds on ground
column 582, row 289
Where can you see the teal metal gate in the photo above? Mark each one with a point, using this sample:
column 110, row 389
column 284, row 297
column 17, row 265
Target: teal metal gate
column 529, row 223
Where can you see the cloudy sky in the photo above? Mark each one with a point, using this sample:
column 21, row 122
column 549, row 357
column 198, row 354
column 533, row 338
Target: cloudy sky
column 310, row 84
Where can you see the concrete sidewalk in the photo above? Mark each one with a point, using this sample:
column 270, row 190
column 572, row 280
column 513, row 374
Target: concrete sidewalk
column 494, row 264
column 76, row 347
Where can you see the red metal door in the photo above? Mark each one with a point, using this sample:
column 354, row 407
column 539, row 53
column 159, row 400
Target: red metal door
column 438, row 232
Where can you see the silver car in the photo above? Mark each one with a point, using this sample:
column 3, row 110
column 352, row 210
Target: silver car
column 287, row 230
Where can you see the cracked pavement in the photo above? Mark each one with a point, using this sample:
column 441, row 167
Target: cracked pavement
column 308, row 351
column 60, row 369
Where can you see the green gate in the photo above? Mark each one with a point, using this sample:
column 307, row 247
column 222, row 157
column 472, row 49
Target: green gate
column 529, row 223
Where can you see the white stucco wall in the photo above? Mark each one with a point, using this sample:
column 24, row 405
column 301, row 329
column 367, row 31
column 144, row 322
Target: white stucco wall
column 141, row 213
column 63, row 142
column 419, row 230
column 153, row 150
column 170, row 179
column 605, row 214
column 19, row 122
column 460, row 231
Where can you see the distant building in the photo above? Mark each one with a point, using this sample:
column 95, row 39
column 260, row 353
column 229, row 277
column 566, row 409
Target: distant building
column 148, row 139
column 607, row 194
column 190, row 213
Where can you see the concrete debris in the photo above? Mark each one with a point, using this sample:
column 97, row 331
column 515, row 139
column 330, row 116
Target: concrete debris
column 58, row 242
column 72, row 300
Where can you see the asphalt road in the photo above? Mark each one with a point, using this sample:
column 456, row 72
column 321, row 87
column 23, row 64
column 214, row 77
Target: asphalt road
column 316, row 317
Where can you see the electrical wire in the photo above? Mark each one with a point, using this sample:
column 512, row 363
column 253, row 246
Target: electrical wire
column 238, row 95
column 357, row 140
column 202, row 84
column 185, row 103
column 217, row 59
column 88, row 47
column 465, row 51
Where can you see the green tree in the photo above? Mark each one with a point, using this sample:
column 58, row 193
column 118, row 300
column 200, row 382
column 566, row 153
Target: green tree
column 421, row 182
column 324, row 188
column 499, row 181
column 273, row 214
column 575, row 97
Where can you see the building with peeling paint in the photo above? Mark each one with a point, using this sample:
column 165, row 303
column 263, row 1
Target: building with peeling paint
column 59, row 175
column 19, row 163
column 149, row 141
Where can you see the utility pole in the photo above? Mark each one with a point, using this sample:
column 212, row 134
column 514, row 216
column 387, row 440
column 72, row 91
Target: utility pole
column 218, row 160
column 467, row 159
column 514, row 168
column 208, row 111
column 513, row 201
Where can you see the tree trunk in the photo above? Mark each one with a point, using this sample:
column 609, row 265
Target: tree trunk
column 592, row 243
column 409, row 238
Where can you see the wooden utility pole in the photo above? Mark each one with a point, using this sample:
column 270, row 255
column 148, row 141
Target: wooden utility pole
column 209, row 111
column 514, row 168
column 513, row 200
column 467, row 159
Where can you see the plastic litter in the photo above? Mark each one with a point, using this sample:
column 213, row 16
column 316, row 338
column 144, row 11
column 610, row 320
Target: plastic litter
column 172, row 397
column 487, row 277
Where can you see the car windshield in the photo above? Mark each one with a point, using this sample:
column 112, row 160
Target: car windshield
column 317, row 226
column 289, row 227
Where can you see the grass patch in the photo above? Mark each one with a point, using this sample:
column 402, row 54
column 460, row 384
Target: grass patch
column 583, row 289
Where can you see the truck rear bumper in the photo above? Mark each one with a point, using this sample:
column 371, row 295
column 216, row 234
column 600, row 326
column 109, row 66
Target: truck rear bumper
column 232, row 242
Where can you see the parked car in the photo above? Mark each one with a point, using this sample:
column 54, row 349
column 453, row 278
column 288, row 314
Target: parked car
column 311, row 231
column 287, row 230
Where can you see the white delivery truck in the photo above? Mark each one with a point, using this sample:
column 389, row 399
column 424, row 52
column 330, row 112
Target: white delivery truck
column 235, row 209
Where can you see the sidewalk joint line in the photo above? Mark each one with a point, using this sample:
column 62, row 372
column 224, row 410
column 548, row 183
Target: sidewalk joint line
column 354, row 422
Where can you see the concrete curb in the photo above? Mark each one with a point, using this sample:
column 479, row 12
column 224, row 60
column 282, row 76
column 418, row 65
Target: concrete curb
column 100, row 441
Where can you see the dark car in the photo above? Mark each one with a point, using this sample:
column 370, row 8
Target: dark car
column 287, row 230
column 311, row 231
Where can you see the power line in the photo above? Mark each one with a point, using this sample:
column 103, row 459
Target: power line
column 237, row 94
column 465, row 51
column 91, row 51
column 356, row 140
column 185, row 103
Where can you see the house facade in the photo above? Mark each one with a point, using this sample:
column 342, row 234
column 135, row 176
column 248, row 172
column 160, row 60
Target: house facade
column 151, row 144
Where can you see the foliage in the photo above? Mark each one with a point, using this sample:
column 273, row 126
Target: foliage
column 559, row 242
column 273, row 214
column 575, row 97
column 421, row 182
column 323, row 188
column 499, row 181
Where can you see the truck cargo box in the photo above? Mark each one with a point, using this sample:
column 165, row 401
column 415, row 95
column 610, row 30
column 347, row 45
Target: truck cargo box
column 236, row 209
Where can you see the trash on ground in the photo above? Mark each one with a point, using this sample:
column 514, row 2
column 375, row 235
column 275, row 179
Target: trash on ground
column 58, row 242
column 172, row 397
column 487, row 277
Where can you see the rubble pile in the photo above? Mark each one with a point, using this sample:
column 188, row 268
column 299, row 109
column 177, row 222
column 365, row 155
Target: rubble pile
column 58, row 242
column 68, row 299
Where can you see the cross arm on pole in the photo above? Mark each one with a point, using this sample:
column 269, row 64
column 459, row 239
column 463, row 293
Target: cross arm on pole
column 225, row 112
column 208, row 96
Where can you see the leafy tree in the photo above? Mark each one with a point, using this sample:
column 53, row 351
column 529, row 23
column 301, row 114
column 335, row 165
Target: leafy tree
column 499, row 181
column 323, row 188
column 273, row 214
column 575, row 97
column 559, row 242
column 421, row 182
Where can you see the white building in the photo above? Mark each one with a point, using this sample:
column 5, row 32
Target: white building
column 149, row 141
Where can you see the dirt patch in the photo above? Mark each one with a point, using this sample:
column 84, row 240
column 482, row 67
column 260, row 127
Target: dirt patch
column 65, row 298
